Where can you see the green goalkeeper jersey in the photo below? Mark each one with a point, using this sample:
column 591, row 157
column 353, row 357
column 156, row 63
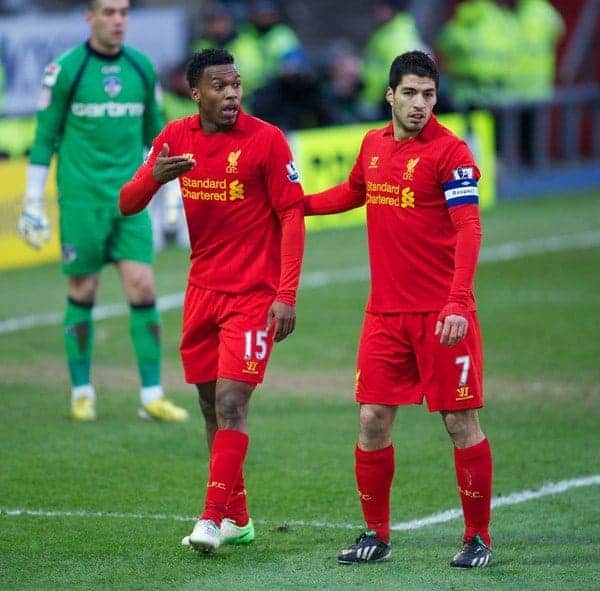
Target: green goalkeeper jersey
column 97, row 112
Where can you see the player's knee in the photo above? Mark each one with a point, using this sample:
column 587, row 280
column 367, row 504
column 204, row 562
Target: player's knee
column 143, row 290
column 83, row 289
column 375, row 425
column 231, row 408
column 139, row 284
column 463, row 427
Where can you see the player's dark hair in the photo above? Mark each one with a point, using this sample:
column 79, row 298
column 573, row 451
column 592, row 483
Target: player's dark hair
column 413, row 62
column 202, row 60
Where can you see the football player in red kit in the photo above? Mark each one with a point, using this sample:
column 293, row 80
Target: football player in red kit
column 420, row 337
column 244, row 210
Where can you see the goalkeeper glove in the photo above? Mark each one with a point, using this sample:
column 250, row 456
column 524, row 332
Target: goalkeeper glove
column 33, row 225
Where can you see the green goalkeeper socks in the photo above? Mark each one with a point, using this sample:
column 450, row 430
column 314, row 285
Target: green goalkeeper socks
column 79, row 333
column 144, row 328
column 145, row 334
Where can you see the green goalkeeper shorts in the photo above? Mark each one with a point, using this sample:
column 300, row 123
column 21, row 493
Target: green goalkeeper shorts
column 90, row 238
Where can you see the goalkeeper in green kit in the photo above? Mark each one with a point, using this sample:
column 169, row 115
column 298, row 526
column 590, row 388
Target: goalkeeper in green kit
column 97, row 110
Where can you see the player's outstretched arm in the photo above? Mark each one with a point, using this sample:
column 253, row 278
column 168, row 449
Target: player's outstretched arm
column 334, row 200
column 138, row 192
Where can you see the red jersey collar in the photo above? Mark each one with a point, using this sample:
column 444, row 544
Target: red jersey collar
column 427, row 133
column 241, row 123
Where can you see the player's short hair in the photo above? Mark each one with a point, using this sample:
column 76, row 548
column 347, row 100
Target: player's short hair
column 93, row 5
column 202, row 60
column 413, row 62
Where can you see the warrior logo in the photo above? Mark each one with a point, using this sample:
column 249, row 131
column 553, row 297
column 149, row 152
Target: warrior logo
column 374, row 162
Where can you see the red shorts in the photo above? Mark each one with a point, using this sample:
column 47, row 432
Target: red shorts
column 224, row 336
column 401, row 361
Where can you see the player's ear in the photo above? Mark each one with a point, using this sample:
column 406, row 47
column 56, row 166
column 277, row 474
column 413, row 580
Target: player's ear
column 195, row 94
column 389, row 95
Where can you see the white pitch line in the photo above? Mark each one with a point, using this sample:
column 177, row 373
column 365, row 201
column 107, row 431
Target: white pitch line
column 489, row 254
column 551, row 488
column 535, row 246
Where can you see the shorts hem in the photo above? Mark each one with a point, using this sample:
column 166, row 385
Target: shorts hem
column 202, row 380
column 457, row 408
column 195, row 379
column 390, row 402
column 247, row 379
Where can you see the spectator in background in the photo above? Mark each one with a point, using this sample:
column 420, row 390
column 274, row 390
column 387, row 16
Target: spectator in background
column 343, row 85
column 478, row 47
column 279, row 46
column 396, row 33
column 293, row 98
column 177, row 102
column 534, row 70
column 220, row 31
column 541, row 27
column 97, row 110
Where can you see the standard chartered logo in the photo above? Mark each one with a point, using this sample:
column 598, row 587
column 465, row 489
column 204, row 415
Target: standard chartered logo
column 388, row 194
column 109, row 109
column 218, row 189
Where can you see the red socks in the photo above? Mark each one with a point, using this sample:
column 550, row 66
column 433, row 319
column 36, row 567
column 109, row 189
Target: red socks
column 374, row 474
column 474, row 478
column 237, row 509
column 227, row 459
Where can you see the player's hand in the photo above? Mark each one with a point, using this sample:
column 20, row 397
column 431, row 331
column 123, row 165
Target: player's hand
column 33, row 226
column 283, row 317
column 452, row 329
column 166, row 168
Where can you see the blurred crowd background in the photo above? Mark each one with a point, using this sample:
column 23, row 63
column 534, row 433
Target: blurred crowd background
column 534, row 64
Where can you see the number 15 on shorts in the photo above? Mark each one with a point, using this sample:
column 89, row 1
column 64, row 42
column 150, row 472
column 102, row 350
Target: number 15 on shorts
column 255, row 344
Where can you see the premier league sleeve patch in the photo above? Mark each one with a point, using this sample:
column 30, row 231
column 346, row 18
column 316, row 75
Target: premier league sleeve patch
column 51, row 73
column 292, row 172
column 464, row 172
column 462, row 188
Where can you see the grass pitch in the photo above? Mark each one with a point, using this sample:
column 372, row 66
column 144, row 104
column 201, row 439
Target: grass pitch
column 104, row 505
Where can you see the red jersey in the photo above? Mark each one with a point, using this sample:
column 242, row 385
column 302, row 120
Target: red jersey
column 410, row 189
column 234, row 199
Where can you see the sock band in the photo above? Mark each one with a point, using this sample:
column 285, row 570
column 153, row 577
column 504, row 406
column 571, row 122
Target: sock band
column 78, row 331
column 142, row 306
column 228, row 453
column 144, row 328
column 474, row 471
column 374, row 472
column 79, row 303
